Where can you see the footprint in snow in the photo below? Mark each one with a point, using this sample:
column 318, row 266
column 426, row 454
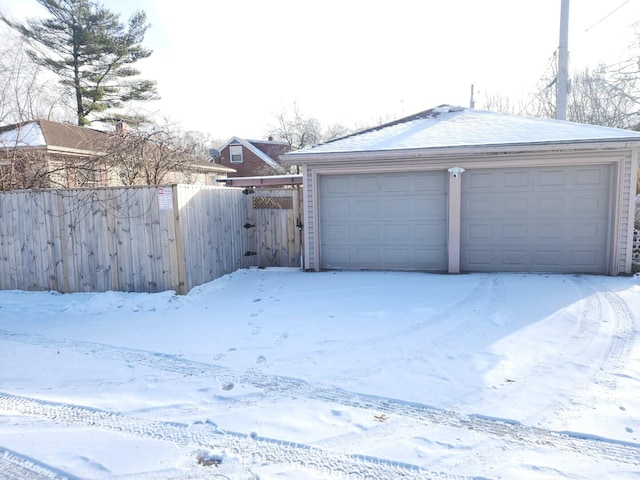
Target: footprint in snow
column 282, row 338
column 255, row 329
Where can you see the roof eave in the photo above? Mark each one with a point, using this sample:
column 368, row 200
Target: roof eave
column 263, row 181
column 295, row 158
column 213, row 168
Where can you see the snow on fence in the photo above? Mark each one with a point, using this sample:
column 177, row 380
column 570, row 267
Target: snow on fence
column 140, row 239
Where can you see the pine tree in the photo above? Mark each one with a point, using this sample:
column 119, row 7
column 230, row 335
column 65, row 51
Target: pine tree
column 92, row 52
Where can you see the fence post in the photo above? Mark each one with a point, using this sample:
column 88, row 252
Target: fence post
column 181, row 286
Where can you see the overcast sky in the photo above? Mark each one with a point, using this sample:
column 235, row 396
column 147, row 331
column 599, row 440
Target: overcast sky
column 229, row 67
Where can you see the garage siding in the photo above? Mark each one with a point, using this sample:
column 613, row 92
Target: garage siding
column 553, row 219
column 391, row 221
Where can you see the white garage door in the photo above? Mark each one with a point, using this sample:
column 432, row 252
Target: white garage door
column 392, row 221
column 536, row 219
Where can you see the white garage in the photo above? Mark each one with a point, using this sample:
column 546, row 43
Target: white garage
column 460, row 190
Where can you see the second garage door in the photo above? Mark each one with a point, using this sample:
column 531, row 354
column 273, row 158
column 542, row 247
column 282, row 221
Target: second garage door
column 536, row 219
column 392, row 221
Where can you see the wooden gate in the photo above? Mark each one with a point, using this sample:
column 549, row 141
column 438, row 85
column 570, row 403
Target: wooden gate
column 274, row 227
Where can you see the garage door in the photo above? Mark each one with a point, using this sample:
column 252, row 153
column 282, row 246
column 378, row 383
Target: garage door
column 392, row 221
column 536, row 219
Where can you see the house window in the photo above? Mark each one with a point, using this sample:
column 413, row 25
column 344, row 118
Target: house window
column 236, row 154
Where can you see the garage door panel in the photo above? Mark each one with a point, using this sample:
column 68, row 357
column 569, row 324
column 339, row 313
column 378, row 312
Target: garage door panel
column 551, row 178
column 402, row 225
column 397, row 184
column 367, row 257
column 550, row 205
column 340, row 256
column 591, row 177
column 336, row 208
column 516, row 179
column 591, row 205
column 360, row 233
column 365, row 184
column 430, row 183
column 335, row 185
column 588, row 233
column 514, row 258
column 397, row 208
column 363, row 208
column 559, row 224
column 479, row 181
column 516, row 206
column 515, row 233
column 338, row 233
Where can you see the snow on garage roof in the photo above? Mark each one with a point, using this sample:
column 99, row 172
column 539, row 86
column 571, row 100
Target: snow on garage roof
column 448, row 126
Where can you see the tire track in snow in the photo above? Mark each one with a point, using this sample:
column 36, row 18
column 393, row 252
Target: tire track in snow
column 278, row 387
column 610, row 308
column 573, row 442
column 18, row 467
column 601, row 309
column 248, row 448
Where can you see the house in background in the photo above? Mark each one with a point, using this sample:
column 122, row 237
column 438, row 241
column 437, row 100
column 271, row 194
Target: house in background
column 42, row 153
column 252, row 158
column 455, row 190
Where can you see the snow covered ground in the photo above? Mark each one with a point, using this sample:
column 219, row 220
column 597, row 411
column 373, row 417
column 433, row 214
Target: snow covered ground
column 282, row 374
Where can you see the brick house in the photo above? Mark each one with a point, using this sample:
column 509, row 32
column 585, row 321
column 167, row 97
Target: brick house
column 251, row 158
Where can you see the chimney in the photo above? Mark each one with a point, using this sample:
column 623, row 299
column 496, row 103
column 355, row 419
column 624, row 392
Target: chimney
column 122, row 129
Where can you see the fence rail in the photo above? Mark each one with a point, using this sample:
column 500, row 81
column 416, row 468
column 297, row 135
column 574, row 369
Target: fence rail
column 141, row 239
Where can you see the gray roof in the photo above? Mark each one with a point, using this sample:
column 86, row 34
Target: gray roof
column 448, row 126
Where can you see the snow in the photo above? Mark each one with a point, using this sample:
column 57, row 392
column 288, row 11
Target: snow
column 28, row 135
column 461, row 127
column 284, row 374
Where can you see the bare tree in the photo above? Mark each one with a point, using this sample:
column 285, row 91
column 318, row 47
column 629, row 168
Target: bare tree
column 496, row 102
column 153, row 155
column 337, row 130
column 606, row 96
column 296, row 129
column 26, row 91
column 599, row 97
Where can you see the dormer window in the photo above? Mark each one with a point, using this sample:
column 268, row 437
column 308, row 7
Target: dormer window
column 236, row 154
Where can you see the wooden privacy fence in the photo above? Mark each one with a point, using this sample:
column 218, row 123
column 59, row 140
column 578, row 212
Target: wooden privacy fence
column 142, row 239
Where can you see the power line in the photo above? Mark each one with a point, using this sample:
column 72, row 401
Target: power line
column 608, row 15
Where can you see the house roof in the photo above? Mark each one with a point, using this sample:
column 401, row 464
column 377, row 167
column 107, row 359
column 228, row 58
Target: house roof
column 267, row 150
column 448, row 126
column 53, row 136
column 70, row 139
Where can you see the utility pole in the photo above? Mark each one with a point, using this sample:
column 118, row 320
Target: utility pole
column 472, row 102
column 563, row 63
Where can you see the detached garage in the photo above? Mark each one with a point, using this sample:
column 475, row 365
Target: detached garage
column 453, row 189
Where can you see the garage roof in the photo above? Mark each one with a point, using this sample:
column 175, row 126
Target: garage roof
column 448, row 126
